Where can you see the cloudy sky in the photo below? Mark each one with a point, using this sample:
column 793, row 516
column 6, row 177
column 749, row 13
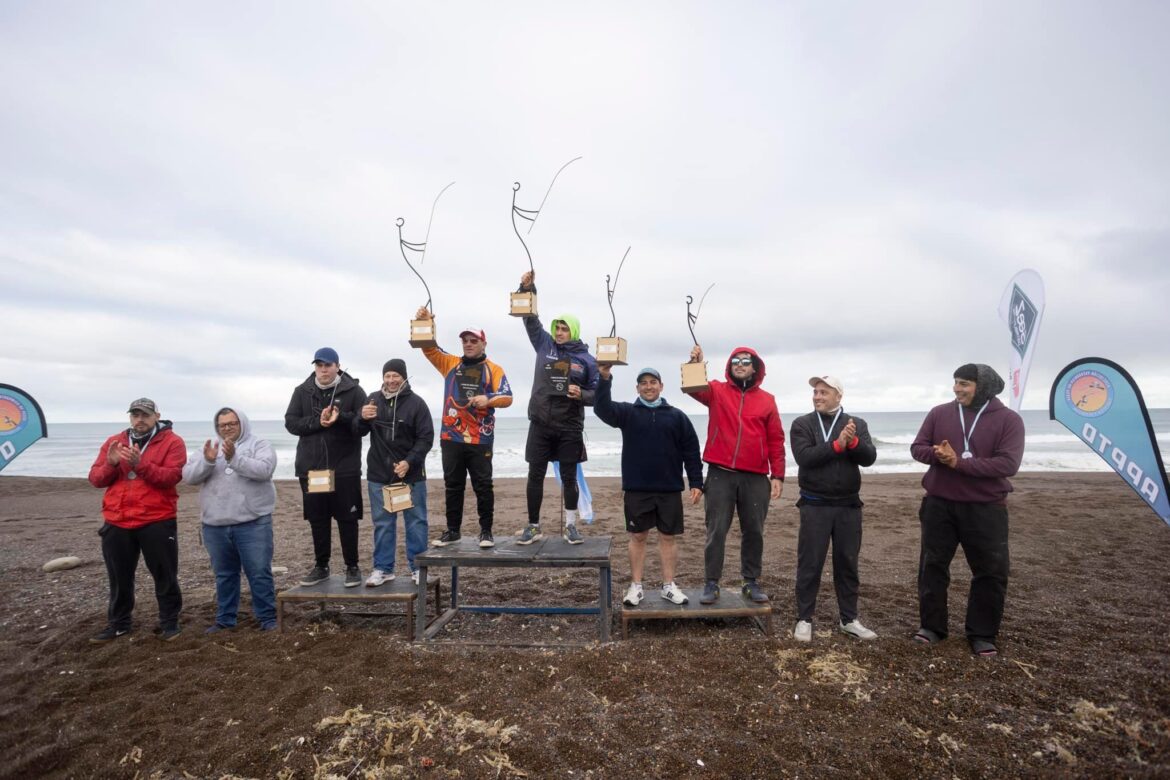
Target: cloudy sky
column 194, row 197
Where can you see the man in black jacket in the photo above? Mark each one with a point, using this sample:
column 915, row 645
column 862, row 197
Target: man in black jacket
column 401, row 434
column 658, row 441
column 321, row 414
column 829, row 447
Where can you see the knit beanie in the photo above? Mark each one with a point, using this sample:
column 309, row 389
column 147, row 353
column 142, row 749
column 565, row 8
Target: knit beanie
column 397, row 365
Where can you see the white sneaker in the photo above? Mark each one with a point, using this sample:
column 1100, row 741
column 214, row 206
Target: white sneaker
column 803, row 631
column 855, row 629
column 673, row 594
column 378, row 577
column 633, row 595
column 414, row 577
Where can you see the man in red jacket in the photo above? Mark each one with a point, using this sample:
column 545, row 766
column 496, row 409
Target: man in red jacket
column 139, row 468
column 745, row 445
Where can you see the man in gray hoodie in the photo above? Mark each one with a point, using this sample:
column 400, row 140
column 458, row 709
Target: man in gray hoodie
column 236, row 498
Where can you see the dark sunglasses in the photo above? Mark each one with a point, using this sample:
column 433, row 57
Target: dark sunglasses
column 741, row 361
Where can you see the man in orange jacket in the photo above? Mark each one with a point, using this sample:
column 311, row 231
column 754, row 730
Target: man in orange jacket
column 139, row 468
column 745, row 445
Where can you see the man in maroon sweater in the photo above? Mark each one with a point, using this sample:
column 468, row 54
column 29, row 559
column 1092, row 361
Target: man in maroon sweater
column 972, row 446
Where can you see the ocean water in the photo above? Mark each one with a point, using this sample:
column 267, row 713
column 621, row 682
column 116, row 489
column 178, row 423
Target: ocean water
column 71, row 448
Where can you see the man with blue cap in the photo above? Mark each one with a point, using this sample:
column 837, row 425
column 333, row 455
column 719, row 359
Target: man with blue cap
column 658, row 441
column 323, row 414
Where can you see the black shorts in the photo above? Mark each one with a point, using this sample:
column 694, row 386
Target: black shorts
column 344, row 503
column 645, row 511
column 545, row 445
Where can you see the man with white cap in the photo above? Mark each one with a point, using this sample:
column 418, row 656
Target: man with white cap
column 829, row 447
column 473, row 388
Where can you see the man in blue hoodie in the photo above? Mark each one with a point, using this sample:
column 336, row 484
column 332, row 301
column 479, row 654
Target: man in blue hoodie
column 236, row 499
column 563, row 384
column 658, row 441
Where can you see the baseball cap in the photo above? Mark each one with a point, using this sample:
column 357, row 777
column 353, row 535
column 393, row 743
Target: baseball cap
column 472, row 331
column 143, row 405
column 829, row 380
column 649, row 371
column 326, row 355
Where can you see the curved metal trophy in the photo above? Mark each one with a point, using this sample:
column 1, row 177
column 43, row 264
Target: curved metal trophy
column 611, row 349
column 524, row 303
column 422, row 332
column 694, row 375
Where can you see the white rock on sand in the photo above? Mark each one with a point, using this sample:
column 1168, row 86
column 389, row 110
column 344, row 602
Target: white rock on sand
column 280, row 570
column 61, row 564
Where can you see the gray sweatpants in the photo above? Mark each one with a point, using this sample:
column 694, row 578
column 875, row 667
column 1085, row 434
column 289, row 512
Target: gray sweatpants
column 728, row 492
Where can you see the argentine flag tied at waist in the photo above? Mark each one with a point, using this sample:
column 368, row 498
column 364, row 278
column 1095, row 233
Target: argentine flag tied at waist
column 585, row 502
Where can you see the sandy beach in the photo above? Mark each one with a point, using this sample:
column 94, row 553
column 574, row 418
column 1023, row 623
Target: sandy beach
column 1082, row 686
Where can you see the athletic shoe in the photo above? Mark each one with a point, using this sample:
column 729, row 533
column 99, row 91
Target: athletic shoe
column 529, row 535
column 572, row 535
column 673, row 594
column 378, row 577
column 353, row 576
column 486, row 540
column 753, row 592
column 448, row 537
column 108, row 634
column 315, row 575
column 169, row 634
column 414, row 577
column 803, row 631
column 269, row 626
column 710, row 592
column 214, row 628
column 633, row 595
column 854, row 628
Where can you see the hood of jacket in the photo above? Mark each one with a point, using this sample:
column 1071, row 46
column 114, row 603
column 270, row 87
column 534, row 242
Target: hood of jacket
column 758, row 378
column 988, row 384
column 245, row 424
column 573, row 323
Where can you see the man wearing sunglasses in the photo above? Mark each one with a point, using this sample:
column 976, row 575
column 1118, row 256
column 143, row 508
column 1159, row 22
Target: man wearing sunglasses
column 473, row 388
column 745, row 449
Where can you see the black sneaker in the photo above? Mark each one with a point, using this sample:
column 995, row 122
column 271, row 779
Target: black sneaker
column 169, row 634
column 109, row 634
column 710, row 592
column 486, row 540
column 315, row 575
column 353, row 576
column 753, row 592
column 448, row 537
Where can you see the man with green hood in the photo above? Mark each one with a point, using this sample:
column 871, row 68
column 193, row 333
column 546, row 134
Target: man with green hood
column 563, row 384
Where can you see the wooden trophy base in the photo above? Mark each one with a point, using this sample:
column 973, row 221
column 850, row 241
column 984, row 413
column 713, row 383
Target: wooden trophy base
column 422, row 333
column 611, row 351
column 523, row 304
column 694, row 377
column 396, row 497
column 320, row 481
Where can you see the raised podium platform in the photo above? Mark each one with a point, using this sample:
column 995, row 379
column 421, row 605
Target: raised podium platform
column 401, row 589
column 731, row 603
column 550, row 552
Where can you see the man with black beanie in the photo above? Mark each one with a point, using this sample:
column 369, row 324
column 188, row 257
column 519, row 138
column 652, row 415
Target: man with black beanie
column 972, row 446
column 401, row 434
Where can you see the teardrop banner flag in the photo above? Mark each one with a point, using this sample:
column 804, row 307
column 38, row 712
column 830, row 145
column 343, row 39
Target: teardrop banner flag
column 21, row 423
column 1098, row 401
column 1022, row 308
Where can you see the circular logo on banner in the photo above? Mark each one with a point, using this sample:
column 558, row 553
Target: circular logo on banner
column 13, row 416
column 1089, row 393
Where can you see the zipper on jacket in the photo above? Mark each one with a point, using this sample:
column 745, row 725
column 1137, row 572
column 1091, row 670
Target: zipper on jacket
column 739, row 430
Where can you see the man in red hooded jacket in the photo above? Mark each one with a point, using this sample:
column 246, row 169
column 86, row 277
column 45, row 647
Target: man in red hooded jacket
column 139, row 468
column 745, row 446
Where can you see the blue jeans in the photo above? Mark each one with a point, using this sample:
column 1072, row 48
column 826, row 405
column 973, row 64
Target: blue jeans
column 247, row 545
column 386, row 526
